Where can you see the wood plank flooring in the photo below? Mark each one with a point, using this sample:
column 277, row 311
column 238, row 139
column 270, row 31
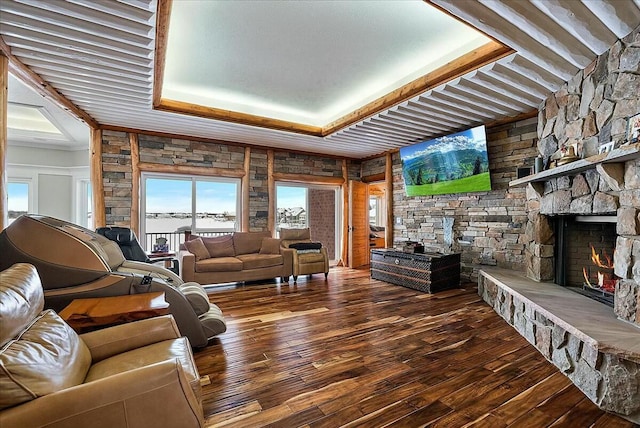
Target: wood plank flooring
column 354, row 351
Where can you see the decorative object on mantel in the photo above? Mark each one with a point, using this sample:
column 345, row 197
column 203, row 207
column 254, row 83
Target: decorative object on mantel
column 568, row 157
column 538, row 165
column 633, row 129
column 606, row 148
column 621, row 154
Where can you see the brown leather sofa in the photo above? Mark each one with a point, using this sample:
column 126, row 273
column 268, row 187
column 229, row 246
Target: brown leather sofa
column 242, row 256
column 307, row 258
column 140, row 374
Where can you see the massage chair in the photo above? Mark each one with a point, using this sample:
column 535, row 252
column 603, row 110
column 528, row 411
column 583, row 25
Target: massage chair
column 74, row 262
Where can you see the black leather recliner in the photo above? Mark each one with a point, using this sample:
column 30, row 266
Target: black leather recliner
column 131, row 248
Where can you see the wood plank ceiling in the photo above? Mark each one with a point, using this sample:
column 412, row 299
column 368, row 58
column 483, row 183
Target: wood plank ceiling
column 99, row 55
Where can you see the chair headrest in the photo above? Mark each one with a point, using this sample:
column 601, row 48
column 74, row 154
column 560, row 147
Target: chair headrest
column 21, row 299
column 121, row 235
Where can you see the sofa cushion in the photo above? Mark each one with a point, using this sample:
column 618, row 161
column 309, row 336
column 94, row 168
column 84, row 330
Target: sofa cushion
column 220, row 246
column 197, row 248
column 219, row 264
column 47, row 357
column 257, row 261
column 174, row 349
column 22, row 299
column 249, row 242
column 310, row 257
column 270, row 246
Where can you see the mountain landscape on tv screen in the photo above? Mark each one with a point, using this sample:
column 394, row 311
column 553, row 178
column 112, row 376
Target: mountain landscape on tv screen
column 453, row 164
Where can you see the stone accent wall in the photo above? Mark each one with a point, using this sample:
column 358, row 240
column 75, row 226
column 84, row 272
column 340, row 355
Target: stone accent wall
column 173, row 151
column 608, row 379
column 297, row 163
column 258, row 192
column 322, row 224
column 592, row 108
column 117, row 169
column 374, row 166
column 117, row 177
column 487, row 228
column 588, row 111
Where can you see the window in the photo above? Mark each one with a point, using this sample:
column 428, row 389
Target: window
column 317, row 207
column 173, row 206
column 18, row 199
column 84, row 205
column 291, row 207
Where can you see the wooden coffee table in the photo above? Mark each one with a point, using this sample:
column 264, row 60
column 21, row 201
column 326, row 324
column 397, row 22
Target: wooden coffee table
column 88, row 314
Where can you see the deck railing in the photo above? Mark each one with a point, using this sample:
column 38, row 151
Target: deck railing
column 174, row 239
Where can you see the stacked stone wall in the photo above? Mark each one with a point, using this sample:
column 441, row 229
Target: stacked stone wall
column 487, row 228
column 374, row 166
column 258, row 191
column 588, row 111
column 117, row 169
column 117, row 177
column 298, row 163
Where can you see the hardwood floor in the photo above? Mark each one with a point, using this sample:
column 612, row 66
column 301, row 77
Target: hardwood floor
column 354, row 351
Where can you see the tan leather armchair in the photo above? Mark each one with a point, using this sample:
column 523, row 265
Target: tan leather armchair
column 305, row 261
column 140, row 374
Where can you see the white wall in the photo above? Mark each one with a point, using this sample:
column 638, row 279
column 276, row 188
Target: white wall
column 55, row 196
column 54, row 177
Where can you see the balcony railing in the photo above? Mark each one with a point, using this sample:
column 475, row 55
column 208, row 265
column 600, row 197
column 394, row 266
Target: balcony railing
column 174, row 239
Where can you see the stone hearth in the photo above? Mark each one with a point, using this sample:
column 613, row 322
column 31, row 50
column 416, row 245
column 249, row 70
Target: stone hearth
column 583, row 338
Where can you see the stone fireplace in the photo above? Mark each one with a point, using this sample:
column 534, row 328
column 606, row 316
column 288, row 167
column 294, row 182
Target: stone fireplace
column 590, row 193
column 594, row 345
column 584, row 251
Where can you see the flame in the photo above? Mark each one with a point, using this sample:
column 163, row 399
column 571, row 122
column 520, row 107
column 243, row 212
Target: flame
column 604, row 262
column 595, row 258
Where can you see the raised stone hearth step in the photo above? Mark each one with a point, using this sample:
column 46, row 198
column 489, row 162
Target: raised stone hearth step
column 582, row 337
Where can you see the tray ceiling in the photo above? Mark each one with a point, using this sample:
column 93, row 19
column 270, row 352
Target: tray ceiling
column 100, row 56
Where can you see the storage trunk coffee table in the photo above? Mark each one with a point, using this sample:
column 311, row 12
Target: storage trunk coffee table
column 429, row 272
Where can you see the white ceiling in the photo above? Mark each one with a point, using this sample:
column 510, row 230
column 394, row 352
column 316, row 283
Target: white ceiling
column 305, row 62
column 68, row 133
column 99, row 55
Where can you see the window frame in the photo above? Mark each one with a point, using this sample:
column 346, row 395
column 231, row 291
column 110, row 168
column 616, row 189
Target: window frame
column 193, row 179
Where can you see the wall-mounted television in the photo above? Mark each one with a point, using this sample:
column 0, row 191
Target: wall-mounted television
column 456, row 163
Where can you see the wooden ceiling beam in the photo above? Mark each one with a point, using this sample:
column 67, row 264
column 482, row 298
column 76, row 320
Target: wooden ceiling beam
column 42, row 87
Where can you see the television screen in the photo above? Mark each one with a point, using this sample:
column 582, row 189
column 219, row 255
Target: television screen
column 456, row 163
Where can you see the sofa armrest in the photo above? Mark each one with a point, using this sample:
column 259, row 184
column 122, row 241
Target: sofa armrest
column 114, row 340
column 287, row 261
column 136, row 398
column 187, row 266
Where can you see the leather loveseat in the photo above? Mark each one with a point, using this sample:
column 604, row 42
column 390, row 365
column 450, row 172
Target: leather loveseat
column 241, row 256
column 140, row 374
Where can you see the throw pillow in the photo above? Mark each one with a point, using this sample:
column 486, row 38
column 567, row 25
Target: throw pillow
column 197, row 248
column 270, row 246
column 220, row 246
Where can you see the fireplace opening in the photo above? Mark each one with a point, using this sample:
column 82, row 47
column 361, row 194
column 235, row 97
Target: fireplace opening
column 585, row 247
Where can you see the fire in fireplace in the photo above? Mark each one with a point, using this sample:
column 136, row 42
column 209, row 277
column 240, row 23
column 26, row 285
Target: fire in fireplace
column 584, row 255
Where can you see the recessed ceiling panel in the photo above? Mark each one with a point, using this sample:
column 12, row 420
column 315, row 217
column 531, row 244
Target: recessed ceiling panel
column 305, row 62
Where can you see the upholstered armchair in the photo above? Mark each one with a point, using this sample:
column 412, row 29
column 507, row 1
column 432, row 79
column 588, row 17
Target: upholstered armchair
column 309, row 257
column 140, row 374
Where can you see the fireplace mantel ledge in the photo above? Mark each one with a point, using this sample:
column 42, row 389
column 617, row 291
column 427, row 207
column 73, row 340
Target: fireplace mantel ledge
column 619, row 155
column 592, row 322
